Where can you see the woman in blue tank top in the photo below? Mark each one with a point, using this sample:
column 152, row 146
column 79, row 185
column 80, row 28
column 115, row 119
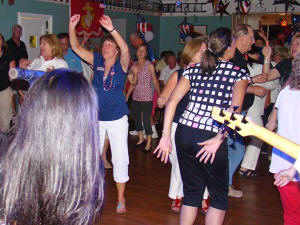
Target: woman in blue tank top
column 110, row 70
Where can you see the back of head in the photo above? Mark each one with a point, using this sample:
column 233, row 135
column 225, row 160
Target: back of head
column 219, row 40
column 56, row 176
column 62, row 35
column 240, row 30
column 191, row 49
column 295, row 75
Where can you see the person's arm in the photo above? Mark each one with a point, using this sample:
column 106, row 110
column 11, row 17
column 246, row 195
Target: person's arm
column 267, row 73
column 133, row 75
column 12, row 64
column 162, row 78
column 271, row 124
column 130, row 90
column 105, row 21
column 75, row 45
column 154, row 79
column 211, row 146
column 164, row 147
column 257, row 90
column 283, row 177
column 167, row 90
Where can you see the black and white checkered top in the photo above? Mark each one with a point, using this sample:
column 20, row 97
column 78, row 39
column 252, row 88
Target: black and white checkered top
column 208, row 91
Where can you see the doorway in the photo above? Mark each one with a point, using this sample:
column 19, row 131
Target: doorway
column 34, row 26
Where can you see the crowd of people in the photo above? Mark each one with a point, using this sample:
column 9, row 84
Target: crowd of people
column 59, row 177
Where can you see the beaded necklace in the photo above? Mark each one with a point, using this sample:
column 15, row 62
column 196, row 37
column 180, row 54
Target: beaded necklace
column 110, row 80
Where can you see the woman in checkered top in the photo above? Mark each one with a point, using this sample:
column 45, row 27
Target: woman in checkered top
column 214, row 82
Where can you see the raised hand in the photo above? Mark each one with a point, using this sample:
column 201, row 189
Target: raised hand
column 262, row 34
column 74, row 20
column 267, row 50
column 105, row 22
column 164, row 148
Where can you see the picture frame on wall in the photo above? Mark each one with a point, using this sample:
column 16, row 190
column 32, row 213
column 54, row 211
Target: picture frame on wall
column 197, row 31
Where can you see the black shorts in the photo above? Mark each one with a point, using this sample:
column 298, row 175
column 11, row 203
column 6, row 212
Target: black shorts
column 195, row 175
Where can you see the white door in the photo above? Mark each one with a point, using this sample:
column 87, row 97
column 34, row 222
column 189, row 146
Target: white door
column 34, row 26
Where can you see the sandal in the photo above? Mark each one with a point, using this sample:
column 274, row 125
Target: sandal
column 176, row 204
column 121, row 208
column 248, row 173
column 204, row 209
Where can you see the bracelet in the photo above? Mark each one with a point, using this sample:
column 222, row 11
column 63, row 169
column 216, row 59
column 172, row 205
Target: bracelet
column 112, row 30
column 266, row 62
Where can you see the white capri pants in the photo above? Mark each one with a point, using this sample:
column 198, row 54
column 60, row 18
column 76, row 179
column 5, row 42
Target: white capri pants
column 5, row 109
column 253, row 149
column 117, row 131
column 176, row 186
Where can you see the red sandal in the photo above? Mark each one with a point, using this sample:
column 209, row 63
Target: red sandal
column 176, row 204
column 204, row 209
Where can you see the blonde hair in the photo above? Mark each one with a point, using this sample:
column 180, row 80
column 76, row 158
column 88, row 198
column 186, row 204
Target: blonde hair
column 282, row 52
column 295, row 75
column 191, row 49
column 53, row 41
column 296, row 36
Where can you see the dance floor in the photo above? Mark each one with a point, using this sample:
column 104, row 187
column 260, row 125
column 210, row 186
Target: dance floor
column 148, row 203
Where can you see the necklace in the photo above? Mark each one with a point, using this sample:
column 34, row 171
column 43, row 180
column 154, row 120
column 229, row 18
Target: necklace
column 108, row 81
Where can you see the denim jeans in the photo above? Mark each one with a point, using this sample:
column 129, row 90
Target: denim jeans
column 236, row 152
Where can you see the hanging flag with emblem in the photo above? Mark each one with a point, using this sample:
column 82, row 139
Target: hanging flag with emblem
column 90, row 12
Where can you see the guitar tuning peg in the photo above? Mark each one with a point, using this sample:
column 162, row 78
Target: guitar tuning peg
column 237, row 129
column 232, row 117
column 221, row 113
column 244, row 120
column 226, row 122
column 235, row 108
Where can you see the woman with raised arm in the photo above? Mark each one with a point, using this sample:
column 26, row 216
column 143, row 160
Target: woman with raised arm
column 213, row 82
column 110, row 70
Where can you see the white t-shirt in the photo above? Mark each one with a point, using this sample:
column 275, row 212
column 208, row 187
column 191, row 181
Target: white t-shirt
column 288, row 105
column 42, row 65
column 167, row 72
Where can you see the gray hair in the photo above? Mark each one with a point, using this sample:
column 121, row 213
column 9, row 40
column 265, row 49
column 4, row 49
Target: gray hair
column 240, row 30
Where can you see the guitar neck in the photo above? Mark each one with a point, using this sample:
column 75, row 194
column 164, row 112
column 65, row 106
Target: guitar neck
column 277, row 141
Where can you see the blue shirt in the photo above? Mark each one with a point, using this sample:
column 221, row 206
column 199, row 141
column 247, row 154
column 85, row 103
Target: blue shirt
column 73, row 60
column 111, row 101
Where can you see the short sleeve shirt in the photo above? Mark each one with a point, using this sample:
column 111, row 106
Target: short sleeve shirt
column 287, row 104
column 17, row 52
column 166, row 73
column 209, row 91
column 73, row 60
column 5, row 59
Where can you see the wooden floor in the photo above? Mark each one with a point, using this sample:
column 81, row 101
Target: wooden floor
column 148, row 203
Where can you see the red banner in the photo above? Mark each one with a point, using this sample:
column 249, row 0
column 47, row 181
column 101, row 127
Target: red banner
column 90, row 12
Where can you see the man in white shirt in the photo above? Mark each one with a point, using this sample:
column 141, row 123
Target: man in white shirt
column 169, row 69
